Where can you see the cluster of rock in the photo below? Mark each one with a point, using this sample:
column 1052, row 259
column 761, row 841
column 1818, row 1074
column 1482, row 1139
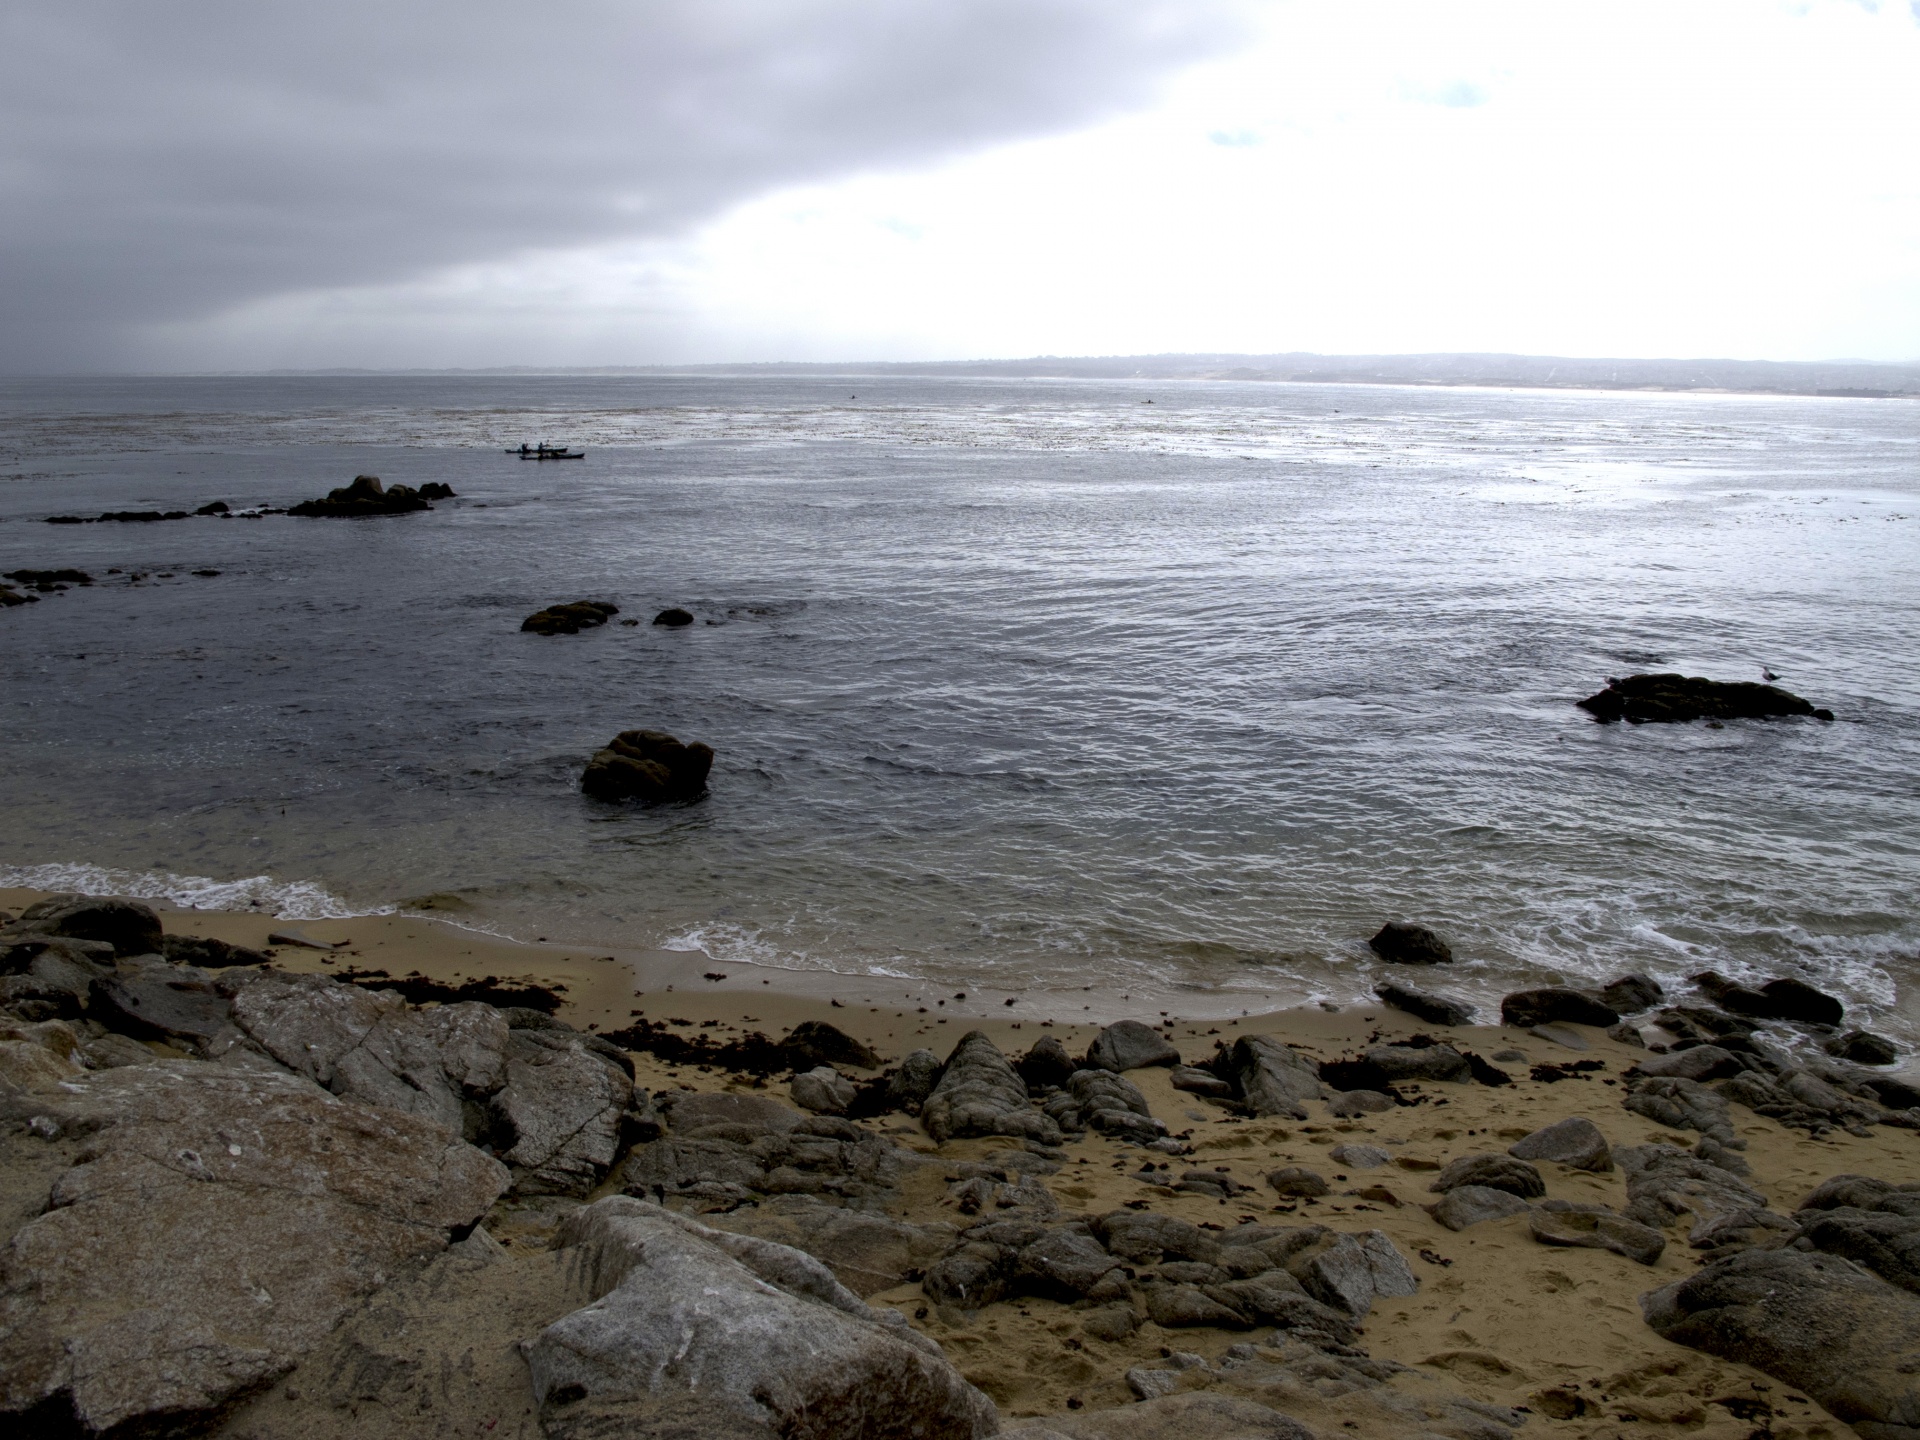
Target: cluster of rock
column 647, row 765
column 46, row 582
column 1128, row 1266
column 1824, row 1299
column 570, row 619
column 367, row 496
column 214, row 510
column 1641, row 699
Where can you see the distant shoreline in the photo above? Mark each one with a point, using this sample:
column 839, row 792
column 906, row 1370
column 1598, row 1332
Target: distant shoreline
column 1831, row 379
column 1815, row 379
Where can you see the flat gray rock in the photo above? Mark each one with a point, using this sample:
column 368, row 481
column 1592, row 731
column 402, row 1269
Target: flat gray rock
column 1433, row 1008
column 1816, row 1322
column 729, row 1335
column 1360, row 1102
column 1595, row 1230
column 1417, row 1062
column 1702, row 1062
column 823, row 1090
column 1495, row 1172
column 1575, row 1142
column 1359, row 1157
column 1469, row 1205
column 224, row 1221
column 1129, row 1045
column 1295, row 1180
column 1561, row 1035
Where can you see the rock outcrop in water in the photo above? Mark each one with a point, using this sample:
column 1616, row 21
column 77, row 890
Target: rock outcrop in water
column 570, row 619
column 1640, row 699
column 365, row 496
column 1399, row 944
column 648, row 765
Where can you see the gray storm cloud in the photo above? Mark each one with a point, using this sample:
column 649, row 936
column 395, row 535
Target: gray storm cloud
column 166, row 162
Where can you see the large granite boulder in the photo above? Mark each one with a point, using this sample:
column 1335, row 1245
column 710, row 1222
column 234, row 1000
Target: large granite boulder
column 1274, row 1078
column 549, row 1100
column 217, row 1224
column 563, row 1106
column 698, row 1332
column 372, row 1046
column 980, row 1093
column 1639, row 699
column 647, row 765
column 365, row 496
column 1816, row 1322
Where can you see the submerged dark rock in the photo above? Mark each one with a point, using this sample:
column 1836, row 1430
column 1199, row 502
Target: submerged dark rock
column 673, row 618
column 365, row 496
column 1399, row 944
column 648, row 765
column 1782, row 999
column 570, row 619
column 50, row 579
column 1639, row 699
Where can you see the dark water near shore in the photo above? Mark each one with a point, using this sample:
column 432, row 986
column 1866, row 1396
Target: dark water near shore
column 1012, row 683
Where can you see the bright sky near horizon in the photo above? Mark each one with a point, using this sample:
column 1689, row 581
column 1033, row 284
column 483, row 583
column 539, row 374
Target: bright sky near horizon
column 424, row 183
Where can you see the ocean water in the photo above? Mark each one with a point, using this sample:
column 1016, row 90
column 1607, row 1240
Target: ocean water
column 1012, row 683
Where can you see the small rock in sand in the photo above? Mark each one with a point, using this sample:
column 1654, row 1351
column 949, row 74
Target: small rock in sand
column 1359, row 1157
column 1575, row 1142
column 1472, row 1204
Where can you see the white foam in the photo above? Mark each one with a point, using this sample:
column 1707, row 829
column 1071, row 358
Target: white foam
column 283, row 899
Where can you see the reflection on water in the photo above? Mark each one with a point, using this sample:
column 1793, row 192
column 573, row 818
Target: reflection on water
column 1010, row 682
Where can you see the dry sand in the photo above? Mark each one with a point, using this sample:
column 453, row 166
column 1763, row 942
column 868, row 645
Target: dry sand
column 1499, row 1317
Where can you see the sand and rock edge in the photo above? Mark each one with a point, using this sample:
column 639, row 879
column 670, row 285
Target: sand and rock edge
column 249, row 1201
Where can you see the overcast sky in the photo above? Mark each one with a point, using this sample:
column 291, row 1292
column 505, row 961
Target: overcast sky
column 245, row 184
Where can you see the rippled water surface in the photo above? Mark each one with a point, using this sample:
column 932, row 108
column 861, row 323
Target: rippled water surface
column 1016, row 683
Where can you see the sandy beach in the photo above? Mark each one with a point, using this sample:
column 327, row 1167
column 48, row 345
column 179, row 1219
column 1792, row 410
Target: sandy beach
column 1498, row 1318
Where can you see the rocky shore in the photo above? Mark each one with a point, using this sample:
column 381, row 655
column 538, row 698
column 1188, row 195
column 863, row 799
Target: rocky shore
column 372, row 1178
